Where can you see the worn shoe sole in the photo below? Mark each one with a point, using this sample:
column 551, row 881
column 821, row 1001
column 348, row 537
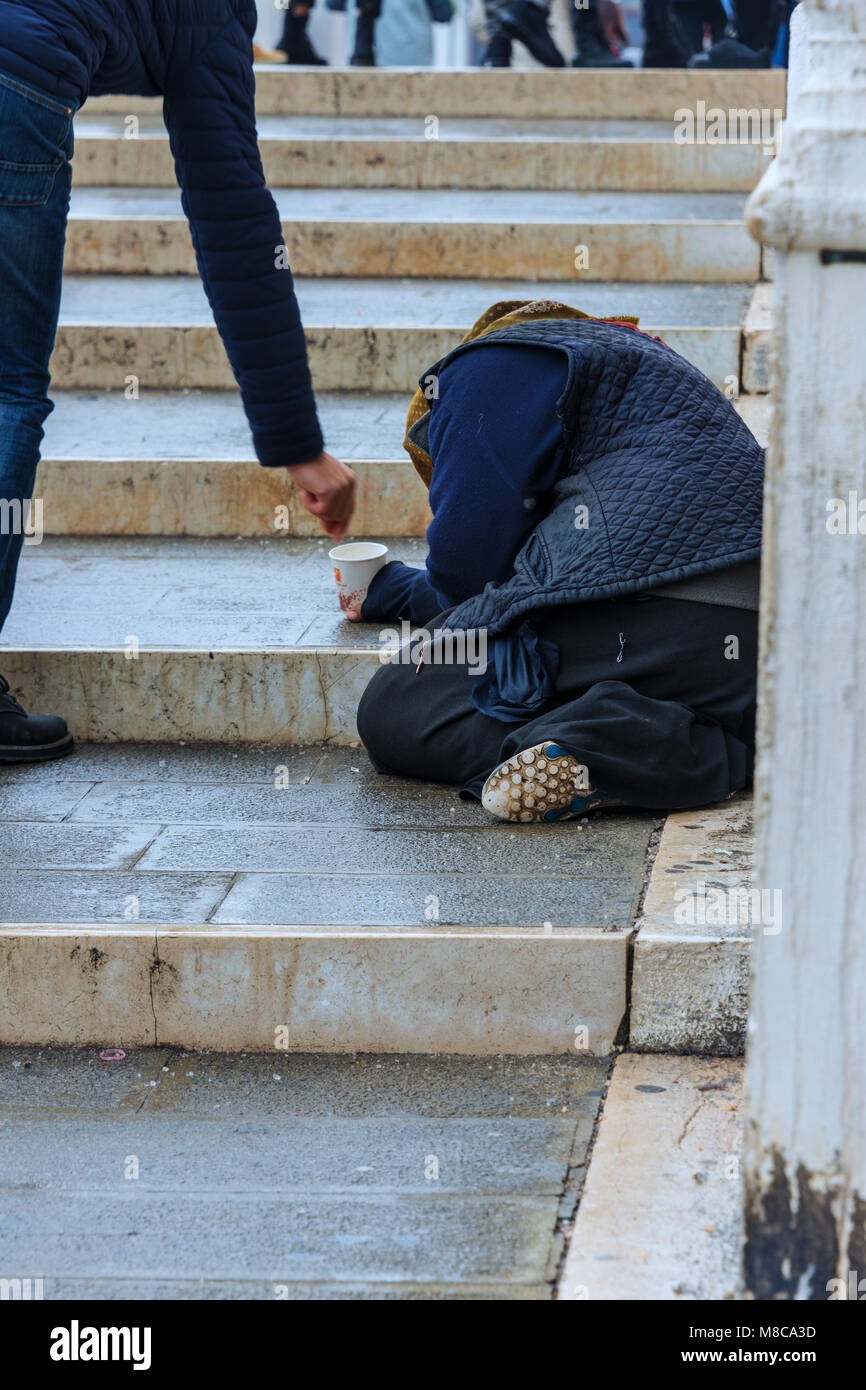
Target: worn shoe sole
column 538, row 41
column 37, row 753
column 542, row 783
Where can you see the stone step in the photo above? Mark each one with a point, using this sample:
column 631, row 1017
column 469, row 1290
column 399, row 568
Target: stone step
column 462, row 233
column 640, row 94
column 692, row 952
column 377, row 335
column 211, row 896
column 758, row 340
column 182, row 464
column 197, row 639
column 671, row 1126
column 291, row 1176
column 432, row 152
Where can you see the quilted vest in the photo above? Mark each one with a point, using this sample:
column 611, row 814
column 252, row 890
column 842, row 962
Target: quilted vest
column 660, row 479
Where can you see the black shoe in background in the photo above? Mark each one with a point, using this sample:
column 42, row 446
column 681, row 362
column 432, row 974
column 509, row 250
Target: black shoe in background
column 730, row 53
column 593, row 49
column 497, row 54
column 297, row 46
column 30, row 738
column 364, row 53
column 664, row 44
column 527, row 22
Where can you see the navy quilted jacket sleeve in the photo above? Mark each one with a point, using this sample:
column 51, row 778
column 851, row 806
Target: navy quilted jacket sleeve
column 209, row 110
column 198, row 55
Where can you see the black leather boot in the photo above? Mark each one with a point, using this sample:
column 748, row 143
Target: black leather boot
column 30, row 738
column 497, row 54
column 364, row 52
column 665, row 45
column 297, row 46
column 527, row 22
column 730, row 53
column 593, row 49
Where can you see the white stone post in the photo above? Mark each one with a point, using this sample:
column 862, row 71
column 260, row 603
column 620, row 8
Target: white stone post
column 805, row 1154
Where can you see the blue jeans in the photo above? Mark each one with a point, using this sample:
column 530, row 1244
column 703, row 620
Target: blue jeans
column 35, row 178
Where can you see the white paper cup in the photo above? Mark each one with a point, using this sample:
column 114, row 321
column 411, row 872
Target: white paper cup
column 354, row 566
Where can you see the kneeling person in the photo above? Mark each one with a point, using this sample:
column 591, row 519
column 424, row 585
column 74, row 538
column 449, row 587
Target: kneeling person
column 597, row 522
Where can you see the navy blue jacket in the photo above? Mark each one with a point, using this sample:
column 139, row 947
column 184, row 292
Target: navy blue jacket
column 197, row 55
column 660, row 479
column 492, row 469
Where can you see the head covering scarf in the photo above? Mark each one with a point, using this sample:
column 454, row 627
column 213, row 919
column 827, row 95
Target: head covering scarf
column 500, row 315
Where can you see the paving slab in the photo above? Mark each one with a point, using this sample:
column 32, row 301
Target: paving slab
column 150, row 128
column 364, row 803
column 461, row 233
column 602, row 900
column 35, row 800
column 231, row 1290
column 179, row 1155
column 659, row 1218
column 49, row 894
column 32, row 844
column 576, row 94
column 584, row 875
column 62, row 1078
column 311, row 849
column 299, row 1177
column 202, row 763
column 239, row 1086
column 308, row 1236
column 692, row 955
column 192, row 639
column 207, row 426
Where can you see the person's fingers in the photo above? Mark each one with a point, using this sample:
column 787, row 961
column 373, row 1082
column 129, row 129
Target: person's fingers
column 326, row 488
column 353, row 615
column 338, row 506
column 314, row 504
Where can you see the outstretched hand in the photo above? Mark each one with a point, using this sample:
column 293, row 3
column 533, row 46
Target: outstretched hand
column 327, row 490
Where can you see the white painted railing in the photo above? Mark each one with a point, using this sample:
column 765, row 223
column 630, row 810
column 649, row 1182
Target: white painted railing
column 805, row 1157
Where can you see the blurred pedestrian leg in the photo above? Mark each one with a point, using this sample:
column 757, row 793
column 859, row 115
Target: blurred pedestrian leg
column 593, row 48
column 295, row 43
column 526, row 21
column 693, row 15
column 35, row 178
column 364, row 52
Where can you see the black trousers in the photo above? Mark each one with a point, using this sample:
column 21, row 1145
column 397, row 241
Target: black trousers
column 371, row 7
column 692, row 15
column 669, row 726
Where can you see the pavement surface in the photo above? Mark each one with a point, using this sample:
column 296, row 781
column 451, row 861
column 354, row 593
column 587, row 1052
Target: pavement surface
column 293, row 836
column 179, row 1175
